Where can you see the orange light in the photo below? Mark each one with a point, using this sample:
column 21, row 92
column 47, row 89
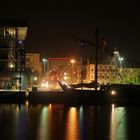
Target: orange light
column 72, row 61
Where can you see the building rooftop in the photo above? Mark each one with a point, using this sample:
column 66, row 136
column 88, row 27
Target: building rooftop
column 13, row 22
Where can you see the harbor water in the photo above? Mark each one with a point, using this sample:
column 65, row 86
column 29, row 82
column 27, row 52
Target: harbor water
column 69, row 122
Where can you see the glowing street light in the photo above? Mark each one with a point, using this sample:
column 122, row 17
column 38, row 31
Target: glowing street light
column 11, row 65
column 44, row 61
column 121, row 60
column 35, row 78
column 113, row 92
column 116, row 52
column 72, row 61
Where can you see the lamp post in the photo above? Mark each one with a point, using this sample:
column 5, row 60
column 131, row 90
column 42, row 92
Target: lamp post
column 96, row 56
column 121, row 60
column 72, row 61
column 44, row 61
column 82, row 45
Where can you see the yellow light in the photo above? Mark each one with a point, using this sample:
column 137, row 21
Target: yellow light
column 50, row 106
column 65, row 78
column 27, row 103
column 35, row 78
column 21, row 33
column 11, row 65
column 72, row 61
column 113, row 92
column 45, row 84
column 27, row 93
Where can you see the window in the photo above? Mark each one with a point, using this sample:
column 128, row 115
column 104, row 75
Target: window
column 107, row 77
column 103, row 68
column 10, row 32
column 113, row 70
column 107, row 69
column 91, row 77
column 103, row 76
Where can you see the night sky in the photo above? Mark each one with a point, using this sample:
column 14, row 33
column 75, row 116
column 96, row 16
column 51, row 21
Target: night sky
column 52, row 24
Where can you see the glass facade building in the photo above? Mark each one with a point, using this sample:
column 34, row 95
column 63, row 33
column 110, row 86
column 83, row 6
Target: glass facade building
column 12, row 53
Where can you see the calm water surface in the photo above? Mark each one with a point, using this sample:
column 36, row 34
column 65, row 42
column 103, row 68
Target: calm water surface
column 61, row 122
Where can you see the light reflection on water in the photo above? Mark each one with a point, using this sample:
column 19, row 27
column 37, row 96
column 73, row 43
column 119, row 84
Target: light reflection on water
column 43, row 125
column 72, row 129
column 60, row 122
column 118, row 123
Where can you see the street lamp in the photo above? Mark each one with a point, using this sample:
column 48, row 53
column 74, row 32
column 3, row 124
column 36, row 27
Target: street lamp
column 72, row 61
column 44, row 61
column 96, row 56
column 121, row 60
column 116, row 52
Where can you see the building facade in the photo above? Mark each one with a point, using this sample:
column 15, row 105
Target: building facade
column 74, row 71
column 130, row 75
column 33, row 68
column 64, row 69
column 33, row 62
column 109, row 74
column 106, row 73
column 12, row 53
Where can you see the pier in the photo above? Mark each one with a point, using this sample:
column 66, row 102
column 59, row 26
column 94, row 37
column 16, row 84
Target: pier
column 124, row 94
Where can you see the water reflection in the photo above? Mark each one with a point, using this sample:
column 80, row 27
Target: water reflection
column 26, row 104
column 43, row 125
column 81, row 123
column 22, row 124
column 118, row 123
column 112, row 124
column 56, row 121
column 72, row 125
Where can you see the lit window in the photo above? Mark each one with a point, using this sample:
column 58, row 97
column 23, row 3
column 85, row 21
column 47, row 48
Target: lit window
column 107, row 76
column 107, row 69
column 91, row 77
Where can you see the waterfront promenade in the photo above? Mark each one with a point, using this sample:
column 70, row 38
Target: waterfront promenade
column 112, row 94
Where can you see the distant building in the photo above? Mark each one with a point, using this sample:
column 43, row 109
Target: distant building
column 130, row 71
column 130, row 75
column 65, row 69
column 127, row 72
column 106, row 73
column 12, row 53
column 33, row 62
column 74, row 71
column 33, row 68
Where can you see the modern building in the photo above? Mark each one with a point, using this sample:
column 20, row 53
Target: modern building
column 12, row 53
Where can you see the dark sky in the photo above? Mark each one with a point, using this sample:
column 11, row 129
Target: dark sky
column 53, row 23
